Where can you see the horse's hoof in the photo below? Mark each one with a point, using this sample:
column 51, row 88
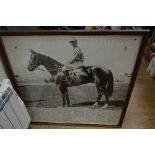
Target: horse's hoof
column 94, row 105
column 105, row 106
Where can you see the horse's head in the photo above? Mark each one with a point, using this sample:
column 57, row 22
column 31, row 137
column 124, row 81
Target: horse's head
column 33, row 62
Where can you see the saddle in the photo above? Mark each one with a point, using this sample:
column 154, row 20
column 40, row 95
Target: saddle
column 71, row 74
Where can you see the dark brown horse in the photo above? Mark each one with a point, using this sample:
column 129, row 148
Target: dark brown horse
column 100, row 76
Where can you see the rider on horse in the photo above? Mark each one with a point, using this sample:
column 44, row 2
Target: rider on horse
column 77, row 60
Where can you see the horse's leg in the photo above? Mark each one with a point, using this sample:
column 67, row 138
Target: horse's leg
column 67, row 98
column 62, row 95
column 106, row 101
column 98, row 99
column 63, row 100
column 100, row 93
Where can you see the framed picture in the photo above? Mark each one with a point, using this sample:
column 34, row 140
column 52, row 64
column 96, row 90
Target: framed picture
column 74, row 77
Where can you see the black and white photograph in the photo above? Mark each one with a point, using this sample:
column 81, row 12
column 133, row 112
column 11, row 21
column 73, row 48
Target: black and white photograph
column 81, row 79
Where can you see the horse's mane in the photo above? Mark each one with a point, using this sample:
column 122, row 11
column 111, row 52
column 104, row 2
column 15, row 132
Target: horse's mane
column 51, row 60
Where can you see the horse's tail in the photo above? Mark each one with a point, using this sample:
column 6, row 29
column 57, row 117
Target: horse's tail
column 110, row 83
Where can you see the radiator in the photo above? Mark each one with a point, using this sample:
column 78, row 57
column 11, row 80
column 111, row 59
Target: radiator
column 13, row 113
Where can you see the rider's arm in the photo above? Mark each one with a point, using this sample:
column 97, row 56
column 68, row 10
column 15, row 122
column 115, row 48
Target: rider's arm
column 78, row 56
column 74, row 59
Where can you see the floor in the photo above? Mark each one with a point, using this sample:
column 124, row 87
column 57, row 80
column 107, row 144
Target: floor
column 141, row 110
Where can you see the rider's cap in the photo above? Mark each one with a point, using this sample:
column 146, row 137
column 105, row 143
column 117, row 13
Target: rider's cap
column 73, row 41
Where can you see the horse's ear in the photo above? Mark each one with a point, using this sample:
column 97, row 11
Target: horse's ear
column 32, row 51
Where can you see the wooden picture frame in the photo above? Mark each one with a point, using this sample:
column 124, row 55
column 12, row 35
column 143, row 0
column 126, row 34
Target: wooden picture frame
column 5, row 46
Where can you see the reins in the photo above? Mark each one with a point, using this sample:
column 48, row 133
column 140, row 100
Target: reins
column 54, row 71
